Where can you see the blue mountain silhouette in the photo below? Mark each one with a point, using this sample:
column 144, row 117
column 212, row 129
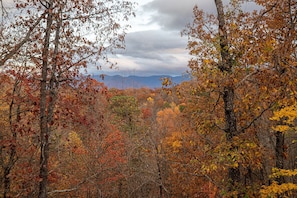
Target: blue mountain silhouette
column 152, row 82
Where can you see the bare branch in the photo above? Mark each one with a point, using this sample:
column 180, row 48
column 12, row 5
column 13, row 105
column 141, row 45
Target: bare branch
column 21, row 43
column 257, row 117
column 3, row 10
column 217, row 102
column 245, row 78
column 74, row 188
column 45, row 4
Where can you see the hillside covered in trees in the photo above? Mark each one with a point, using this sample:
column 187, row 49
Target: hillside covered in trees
column 229, row 131
column 152, row 82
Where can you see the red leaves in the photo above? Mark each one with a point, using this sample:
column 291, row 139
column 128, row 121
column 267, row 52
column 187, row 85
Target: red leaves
column 53, row 177
column 146, row 113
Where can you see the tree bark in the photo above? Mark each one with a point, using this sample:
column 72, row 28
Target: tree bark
column 160, row 180
column 44, row 130
column 12, row 157
column 279, row 153
column 225, row 66
column 231, row 130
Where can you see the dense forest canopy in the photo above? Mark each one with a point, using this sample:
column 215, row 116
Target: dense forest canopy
column 230, row 131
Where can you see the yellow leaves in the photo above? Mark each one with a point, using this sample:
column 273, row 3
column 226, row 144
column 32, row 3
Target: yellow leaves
column 74, row 138
column 233, row 25
column 74, row 143
column 176, row 144
column 150, row 100
column 269, row 45
column 276, row 172
column 175, row 141
column 281, row 128
column 208, row 61
column 290, row 112
column 166, row 82
column 241, row 151
column 4, row 115
column 275, row 190
column 206, row 169
column 286, row 116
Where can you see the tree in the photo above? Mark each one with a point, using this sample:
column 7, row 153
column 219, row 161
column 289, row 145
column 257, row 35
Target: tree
column 18, row 136
column 8, row 50
column 59, row 44
column 224, row 59
column 106, row 144
column 281, row 51
column 283, row 176
column 126, row 111
column 8, row 134
column 235, row 53
column 146, row 170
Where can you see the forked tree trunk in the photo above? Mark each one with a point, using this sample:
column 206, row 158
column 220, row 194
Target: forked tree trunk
column 49, row 88
column 44, row 130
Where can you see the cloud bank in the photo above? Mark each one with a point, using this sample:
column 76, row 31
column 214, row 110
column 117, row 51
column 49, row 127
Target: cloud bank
column 154, row 44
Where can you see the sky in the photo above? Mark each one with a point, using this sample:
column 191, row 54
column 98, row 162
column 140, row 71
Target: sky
column 154, row 44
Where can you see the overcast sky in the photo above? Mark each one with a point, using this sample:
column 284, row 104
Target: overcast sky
column 153, row 44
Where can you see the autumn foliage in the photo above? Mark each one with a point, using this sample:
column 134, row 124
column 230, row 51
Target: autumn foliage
column 230, row 131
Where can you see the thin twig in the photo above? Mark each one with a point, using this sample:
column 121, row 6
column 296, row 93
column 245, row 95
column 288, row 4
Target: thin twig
column 22, row 42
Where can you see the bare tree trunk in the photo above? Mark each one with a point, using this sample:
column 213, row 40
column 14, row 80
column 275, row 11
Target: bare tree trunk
column 160, row 180
column 12, row 157
column 44, row 129
column 279, row 154
column 231, row 130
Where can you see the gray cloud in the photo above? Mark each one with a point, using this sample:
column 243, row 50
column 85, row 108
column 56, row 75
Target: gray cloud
column 153, row 43
column 171, row 14
column 152, row 52
column 161, row 51
column 176, row 14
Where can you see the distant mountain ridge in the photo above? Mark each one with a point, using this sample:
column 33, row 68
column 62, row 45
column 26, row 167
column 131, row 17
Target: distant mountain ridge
column 152, row 82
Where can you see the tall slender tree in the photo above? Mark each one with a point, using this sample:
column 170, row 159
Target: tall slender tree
column 242, row 68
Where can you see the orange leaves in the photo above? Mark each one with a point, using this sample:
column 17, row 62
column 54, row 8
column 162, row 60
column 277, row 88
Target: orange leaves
column 91, row 152
column 114, row 148
column 175, row 141
column 167, row 118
